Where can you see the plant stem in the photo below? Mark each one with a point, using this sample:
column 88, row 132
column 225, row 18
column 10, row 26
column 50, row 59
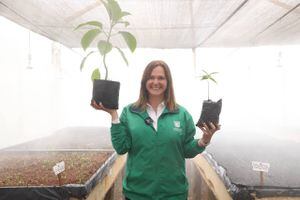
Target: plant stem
column 207, row 90
column 106, row 71
column 107, row 41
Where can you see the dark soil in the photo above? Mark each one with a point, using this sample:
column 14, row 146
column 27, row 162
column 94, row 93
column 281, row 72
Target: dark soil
column 35, row 168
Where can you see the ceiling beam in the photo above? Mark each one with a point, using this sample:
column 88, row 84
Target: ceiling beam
column 283, row 5
column 224, row 22
column 277, row 20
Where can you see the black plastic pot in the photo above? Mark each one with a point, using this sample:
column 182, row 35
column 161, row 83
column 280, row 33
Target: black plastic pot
column 210, row 112
column 106, row 92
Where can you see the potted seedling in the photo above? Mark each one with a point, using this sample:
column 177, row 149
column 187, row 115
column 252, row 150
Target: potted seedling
column 104, row 90
column 210, row 109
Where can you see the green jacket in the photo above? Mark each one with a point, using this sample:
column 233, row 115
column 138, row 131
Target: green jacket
column 155, row 168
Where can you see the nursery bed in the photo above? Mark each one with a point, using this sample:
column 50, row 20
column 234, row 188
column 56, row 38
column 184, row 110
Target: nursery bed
column 29, row 174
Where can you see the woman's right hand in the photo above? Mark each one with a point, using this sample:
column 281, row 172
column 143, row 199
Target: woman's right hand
column 112, row 112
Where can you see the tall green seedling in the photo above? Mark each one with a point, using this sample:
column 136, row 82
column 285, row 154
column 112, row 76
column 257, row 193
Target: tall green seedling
column 208, row 77
column 103, row 37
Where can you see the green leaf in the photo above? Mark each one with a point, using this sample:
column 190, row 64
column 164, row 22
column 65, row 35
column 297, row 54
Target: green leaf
column 213, row 73
column 88, row 38
column 90, row 23
column 211, row 78
column 208, row 76
column 129, row 39
column 205, row 72
column 84, row 59
column 123, row 55
column 115, row 10
column 204, row 77
column 95, row 75
column 104, row 47
column 107, row 9
column 124, row 13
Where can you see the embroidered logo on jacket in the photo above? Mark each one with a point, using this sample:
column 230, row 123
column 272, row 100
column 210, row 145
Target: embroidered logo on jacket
column 177, row 124
column 177, row 127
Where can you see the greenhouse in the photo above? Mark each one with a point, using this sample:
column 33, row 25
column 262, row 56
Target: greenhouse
column 63, row 138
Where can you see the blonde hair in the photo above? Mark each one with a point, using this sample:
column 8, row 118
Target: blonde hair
column 169, row 98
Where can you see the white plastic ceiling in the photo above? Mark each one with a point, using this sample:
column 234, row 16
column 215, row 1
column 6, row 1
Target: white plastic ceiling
column 167, row 23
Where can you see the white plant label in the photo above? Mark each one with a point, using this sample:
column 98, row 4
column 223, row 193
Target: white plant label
column 260, row 166
column 59, row 167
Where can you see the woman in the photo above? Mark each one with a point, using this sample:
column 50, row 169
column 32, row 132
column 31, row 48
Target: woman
column 158, row 135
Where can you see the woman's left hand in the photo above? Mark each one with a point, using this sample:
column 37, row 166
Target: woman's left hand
column 208, row 132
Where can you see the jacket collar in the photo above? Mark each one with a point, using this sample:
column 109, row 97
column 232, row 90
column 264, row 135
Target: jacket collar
column 144, row 113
